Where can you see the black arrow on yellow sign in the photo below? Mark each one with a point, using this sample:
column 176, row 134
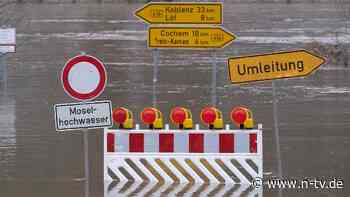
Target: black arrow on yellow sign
column 189, row 37
column 271, row 66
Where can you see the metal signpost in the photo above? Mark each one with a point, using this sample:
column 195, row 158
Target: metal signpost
column 185, row 37
column 155, row 54
column 156, row 158
column 277, row 131
column 3, row 73
column 84, row 78
column 289, row 64
column 213, row 80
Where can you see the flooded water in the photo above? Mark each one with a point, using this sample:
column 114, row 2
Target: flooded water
column 314, row 112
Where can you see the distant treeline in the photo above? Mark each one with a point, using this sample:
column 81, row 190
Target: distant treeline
column 145, row 1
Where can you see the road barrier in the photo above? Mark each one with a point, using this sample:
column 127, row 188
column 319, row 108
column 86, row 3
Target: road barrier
column 183, row 156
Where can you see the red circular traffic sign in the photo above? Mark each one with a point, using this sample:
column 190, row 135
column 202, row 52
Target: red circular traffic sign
column 84, row 77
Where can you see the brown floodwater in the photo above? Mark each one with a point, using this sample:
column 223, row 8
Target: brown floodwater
column 314, row 111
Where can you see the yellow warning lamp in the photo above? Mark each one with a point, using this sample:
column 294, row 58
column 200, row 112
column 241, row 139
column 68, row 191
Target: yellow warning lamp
column 123, row 117
column 242, row 117
column 182, row 117
column 212, row 117
column 152, row 117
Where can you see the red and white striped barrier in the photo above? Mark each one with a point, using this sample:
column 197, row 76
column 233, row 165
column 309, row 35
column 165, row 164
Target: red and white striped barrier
column 175, row 141
column 183, row 156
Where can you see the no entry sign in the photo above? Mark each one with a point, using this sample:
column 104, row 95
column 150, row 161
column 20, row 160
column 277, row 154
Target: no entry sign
column 84, row 77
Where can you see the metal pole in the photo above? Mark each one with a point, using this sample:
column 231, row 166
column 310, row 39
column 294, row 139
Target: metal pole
column 86, row 162
column 155, row 54
column 86, row 156
column 213, row 80
column 277, row 135
column 3, row 78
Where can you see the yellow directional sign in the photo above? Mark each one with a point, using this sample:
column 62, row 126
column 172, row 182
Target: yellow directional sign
column 188, row 37
column 273, row 66
column 181, row 13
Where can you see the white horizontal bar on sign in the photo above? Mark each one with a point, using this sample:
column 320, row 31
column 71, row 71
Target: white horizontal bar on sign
column 253, row 131
column 7, row 49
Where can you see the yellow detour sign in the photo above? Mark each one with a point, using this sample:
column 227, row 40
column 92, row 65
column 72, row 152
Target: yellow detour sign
column 181, row 13
column 273, row 66
column 188, row 37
